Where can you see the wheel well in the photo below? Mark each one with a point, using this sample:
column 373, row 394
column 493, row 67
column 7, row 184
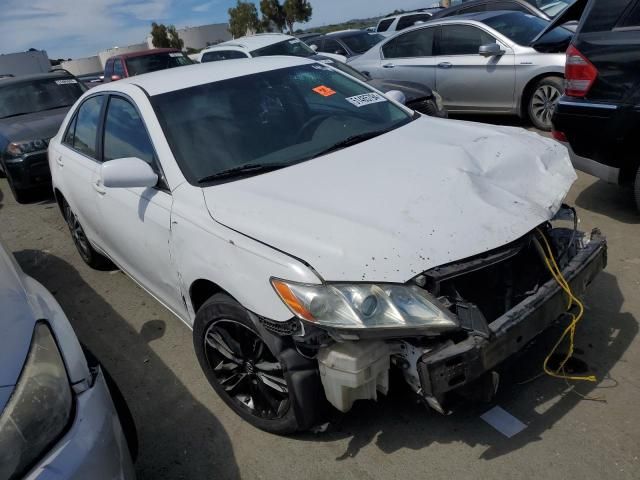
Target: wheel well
column 202, row 290
column 528, row 90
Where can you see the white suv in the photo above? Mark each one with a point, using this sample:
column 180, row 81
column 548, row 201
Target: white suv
column 313, row 232
column 261, row 45
column 389, row 25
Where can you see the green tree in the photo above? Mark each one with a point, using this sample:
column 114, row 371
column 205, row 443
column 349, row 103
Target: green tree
column 272, row 14
column 296, row 11
column 242, row 18
column 159, row 37
column 163, row 36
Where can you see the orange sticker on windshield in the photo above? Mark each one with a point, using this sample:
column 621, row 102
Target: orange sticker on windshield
column 324, row 91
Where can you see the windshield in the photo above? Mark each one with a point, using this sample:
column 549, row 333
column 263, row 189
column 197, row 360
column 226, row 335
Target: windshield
column 362, row 41
column 292, row 47
column 280, row 117
column 155, row 62
column 522, row 28
column 38, row 95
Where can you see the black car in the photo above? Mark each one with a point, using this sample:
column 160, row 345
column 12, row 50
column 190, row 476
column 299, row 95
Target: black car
column 418, row 97
column 545, row 9
column 599, row 114
column 32, row 108
column 349, row 43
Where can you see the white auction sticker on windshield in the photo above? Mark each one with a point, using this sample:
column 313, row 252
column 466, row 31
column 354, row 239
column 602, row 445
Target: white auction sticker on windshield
column 175, row 54
column 66, row 81
column 365, row 99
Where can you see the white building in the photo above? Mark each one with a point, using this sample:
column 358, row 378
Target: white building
column 83, row 66
column 202, row 36
column 24, row 63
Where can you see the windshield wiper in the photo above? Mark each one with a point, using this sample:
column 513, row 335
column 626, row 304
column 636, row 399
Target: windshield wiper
column 248, row 168
column 352, row 140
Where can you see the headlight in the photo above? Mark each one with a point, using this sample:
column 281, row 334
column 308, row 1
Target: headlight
column 357, row 306
column 438, row 98
column 39, row 408
column 17, row 149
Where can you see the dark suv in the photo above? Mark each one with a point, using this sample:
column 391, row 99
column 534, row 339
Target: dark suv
column 599, row 116
column 32, row 108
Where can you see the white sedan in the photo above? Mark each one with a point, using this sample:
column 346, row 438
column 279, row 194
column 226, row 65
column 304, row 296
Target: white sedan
column 313, row 232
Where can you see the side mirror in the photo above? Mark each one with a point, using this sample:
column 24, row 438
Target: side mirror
column 396, row 95
column 115, row 78
column 490, row 50
column 314, row 47
column 128, row 173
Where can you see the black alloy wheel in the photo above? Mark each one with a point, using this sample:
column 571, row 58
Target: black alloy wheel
column 80, row 240
column 240, row 366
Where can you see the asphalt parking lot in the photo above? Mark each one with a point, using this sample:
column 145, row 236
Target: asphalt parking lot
column 185, row 431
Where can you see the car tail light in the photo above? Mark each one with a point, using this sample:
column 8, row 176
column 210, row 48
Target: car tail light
column 579, row 73
column 560, row 136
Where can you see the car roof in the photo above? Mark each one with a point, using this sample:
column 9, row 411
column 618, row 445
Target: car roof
column 253, row 42
column 164, row 81
column 141, row 53
column 36, row 76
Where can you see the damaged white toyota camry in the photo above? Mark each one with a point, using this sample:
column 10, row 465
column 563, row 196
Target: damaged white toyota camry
column 315, row 233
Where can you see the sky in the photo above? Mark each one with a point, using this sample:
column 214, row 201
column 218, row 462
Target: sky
column 81, row 28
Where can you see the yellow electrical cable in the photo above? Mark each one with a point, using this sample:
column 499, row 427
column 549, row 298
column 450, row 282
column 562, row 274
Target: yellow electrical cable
column 570, row 331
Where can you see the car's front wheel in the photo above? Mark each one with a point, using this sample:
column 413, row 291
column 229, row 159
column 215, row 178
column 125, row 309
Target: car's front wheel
column 240, row 367
column 543, row 101
column 80, row 240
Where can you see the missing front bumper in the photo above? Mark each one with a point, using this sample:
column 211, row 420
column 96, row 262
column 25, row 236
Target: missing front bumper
column 455, row 365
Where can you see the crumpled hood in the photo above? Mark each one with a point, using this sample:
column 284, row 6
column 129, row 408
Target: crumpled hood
column 426, row 194
column 33, row 126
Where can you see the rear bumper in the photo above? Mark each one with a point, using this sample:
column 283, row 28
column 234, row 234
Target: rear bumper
column 456, row 365
column 31, row 172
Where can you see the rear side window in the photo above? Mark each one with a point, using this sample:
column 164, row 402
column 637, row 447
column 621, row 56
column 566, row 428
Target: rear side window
column 410, row 20
column 220, row 55
column 117, row 68
column 631, row 18
column 462, row 40
column 125, row 134
column 384, row 25
column 86, row 128
column 417, row 43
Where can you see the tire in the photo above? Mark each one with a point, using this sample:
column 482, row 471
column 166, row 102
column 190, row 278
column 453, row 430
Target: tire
column 636, row 189
column 80, row 240
column 542, row 101
column 241, row 368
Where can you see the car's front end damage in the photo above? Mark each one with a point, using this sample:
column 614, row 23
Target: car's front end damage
column 490, row 307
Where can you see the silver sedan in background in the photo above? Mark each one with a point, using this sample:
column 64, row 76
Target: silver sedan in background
column 500, row 62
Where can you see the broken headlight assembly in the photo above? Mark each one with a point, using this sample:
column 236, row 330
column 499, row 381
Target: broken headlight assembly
column 39, row 409
column 365, row 306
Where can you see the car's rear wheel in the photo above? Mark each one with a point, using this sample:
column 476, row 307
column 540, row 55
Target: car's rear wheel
column 80, row 240
column 543, row 101
column 240, row 367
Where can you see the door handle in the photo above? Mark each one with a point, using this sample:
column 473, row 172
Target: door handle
column 445, row 65
column 97, row 186
column 59, row 161
column 388, row 65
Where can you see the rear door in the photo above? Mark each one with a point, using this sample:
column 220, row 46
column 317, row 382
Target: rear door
column 135, row 223
column 469, row 81
column 410, row 56
column 76, row 163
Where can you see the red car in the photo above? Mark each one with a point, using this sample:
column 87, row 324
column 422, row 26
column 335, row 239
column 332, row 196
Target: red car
column 144, row 61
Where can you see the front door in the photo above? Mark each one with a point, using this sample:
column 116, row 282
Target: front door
column 135, row 223
column 466, row 80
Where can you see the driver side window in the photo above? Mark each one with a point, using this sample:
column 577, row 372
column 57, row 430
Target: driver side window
column 125, row 134
column 462, row 40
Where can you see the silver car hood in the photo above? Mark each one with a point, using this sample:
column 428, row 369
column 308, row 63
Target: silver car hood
column 426, row 194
